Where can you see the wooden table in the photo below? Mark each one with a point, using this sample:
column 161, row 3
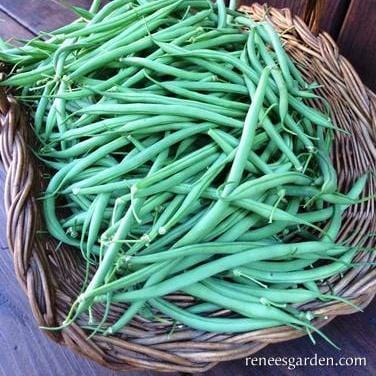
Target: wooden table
column 24, row 350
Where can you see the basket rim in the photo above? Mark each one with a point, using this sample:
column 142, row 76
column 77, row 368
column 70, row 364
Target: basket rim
column 33, row 264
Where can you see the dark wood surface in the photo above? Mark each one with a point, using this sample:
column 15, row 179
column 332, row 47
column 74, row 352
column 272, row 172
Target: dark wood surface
column 24, row 350
column 358, row 33
column 11, row 28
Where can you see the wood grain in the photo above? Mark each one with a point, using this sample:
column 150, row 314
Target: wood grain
column 79, row 3
column 11, row 29
column 357, row 39
column 37, row 15
column 333, row 16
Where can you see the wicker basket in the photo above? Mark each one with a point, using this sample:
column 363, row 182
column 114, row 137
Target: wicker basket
column 52, row 279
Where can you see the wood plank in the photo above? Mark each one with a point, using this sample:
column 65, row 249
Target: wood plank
column 357, row 39
column 10, row 29
column 333, row 16
column 79, row 3
column 36, row 15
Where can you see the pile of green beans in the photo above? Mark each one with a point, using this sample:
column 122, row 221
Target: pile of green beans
column 184, row 157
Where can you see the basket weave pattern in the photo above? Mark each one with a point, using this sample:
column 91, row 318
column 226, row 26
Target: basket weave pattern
column 52, row 278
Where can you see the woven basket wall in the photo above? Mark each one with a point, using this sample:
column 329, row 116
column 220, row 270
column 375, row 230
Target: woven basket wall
column 52, row 279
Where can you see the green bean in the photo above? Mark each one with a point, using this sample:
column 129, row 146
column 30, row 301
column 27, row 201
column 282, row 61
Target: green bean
column 185, row 146
column 121, row 20
column 221, row 14
column 204, row 181
column 270, row 229
column 215, row 68
column 107, row 9
column 42, row 107
column 259, row 185
column 75, row 167
column 282, row 266
column 116, row 53
column 203, row 307
column 253, row 164
column 328, row 172
column 213, row 216
column 79, row 148
column 253, row 310
column 215, row 267
column 278, row 79
column 138, row 29
column 270, row 149
column 177, row 166
column 272, row 213
column 96, row 222
column 143, row 213
column 164, row 69
column 312, row 192
column 217, row 325
column 58, row 180
column 272, row 132
column 334, row 227
column 176, row 179
column 85, row 250
column 140, row 158
column 296, row 73
column 136, row 306
column 150, row 109
column 121, row 124
column 186, row 33
column 131, row 96
column 278, row 295
column 181, row 91
column 251, row 51
column 318, row 273
column 79, row 218
column 280, row 53
column 172, row 235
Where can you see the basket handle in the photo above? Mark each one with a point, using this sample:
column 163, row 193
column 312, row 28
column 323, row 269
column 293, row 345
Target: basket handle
column 313, row 13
